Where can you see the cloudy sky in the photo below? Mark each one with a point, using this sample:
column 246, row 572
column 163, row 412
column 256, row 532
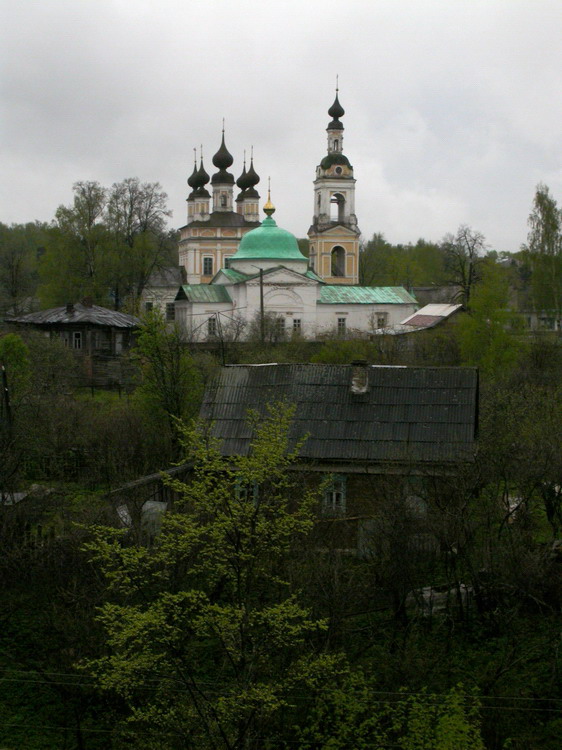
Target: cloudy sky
column 453, row 107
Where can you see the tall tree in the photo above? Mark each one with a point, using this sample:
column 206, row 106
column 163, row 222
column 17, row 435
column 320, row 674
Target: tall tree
column 136, row 220
column 20, row 247
column 544, row 250
column 463, row 254
column 74, row 265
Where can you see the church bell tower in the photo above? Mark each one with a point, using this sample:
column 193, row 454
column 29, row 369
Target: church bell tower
column 334, row 234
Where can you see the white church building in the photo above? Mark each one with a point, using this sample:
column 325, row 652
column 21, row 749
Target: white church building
column 246, row 279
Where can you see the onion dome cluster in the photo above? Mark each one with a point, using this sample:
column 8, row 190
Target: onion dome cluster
column 247, row 182
column 197, row 181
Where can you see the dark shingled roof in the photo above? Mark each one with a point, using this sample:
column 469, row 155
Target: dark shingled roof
column 409, row 415
column 78, row 314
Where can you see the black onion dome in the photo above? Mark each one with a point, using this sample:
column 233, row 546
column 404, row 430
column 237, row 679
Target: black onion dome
column 253, row 177
column 336, row 110
column 251, row 193
column 242, row 181
column 223, row 158
column 202, row 176
column 192, row 179
column 200, row 193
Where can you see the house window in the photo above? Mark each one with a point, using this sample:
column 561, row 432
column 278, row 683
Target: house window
column 227, row 261
column 342, row 326
column 334, row 499
column 381, row 320
column 296, row 326
column 148, row 306
column 170, row 311
column 249, row 491
column 212, row 327
column 207, row 266
column 77, row 339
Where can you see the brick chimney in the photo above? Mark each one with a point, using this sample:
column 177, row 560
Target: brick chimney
column 359, row 376
column 70, row 308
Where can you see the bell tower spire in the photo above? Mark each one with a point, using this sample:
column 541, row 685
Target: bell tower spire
column 334, row 234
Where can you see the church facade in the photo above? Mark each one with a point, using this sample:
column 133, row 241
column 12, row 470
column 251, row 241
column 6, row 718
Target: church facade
column 246, row 279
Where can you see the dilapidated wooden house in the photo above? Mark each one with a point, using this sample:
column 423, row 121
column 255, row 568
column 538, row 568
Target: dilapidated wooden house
column 84, row 327
column 98, row 336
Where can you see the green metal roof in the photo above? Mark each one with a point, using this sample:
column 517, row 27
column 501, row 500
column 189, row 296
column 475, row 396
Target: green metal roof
column 311, row 275
column 234, row 276
column 268, row 242
column 203, row 293
column 339, row 294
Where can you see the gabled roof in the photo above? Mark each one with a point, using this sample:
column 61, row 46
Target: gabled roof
column 237, row 277
column 234, row 276
column 407, row 415
column 203, row 293
column 78, row 313
column 364, row 295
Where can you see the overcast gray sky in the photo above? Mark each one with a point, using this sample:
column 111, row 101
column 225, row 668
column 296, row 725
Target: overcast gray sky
column 453, row 108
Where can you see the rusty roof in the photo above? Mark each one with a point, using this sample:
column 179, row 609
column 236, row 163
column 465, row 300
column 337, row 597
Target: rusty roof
column 407, row 415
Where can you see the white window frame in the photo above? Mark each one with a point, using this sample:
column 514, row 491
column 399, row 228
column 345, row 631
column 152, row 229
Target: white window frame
column 206, row 260
column 77, row 340
column 334, row 500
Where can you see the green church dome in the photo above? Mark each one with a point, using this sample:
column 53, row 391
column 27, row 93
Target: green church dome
column 270, row 242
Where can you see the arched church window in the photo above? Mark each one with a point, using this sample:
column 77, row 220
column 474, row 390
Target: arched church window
column 338, row 261
column 336, row 144
column 337, row 207
column 223, row 200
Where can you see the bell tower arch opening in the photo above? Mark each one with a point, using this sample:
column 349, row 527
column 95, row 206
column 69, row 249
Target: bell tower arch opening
column 338, row 261
column 337, row 207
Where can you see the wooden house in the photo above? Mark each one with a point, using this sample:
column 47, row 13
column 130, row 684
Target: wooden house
column 374, row 431
column 84, row 327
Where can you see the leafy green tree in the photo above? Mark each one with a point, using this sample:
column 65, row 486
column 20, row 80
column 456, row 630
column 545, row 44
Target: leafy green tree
column 384, row 264
column 136, row 221
column 170, row 385
column 544, row 252
column 20, row 246
column 354, row 714
column 207, row 637
column 107, row 244
column 75, row 262
column 486, row 336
